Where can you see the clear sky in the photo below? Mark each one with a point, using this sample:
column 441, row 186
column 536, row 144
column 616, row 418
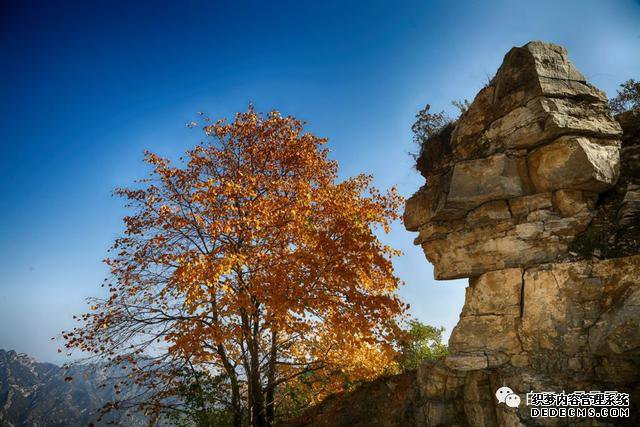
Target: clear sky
column 86, row 86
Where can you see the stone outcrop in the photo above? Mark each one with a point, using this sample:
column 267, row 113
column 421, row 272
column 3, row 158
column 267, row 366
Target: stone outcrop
column 523, row 169
column 534, row 195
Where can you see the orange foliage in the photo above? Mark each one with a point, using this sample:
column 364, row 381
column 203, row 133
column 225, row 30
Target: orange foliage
column 249, row 258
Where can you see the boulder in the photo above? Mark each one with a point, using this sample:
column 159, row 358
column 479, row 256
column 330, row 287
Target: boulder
column 430, row 204
column 576, row 163
column 543, row 119
column 478, row 181
column 494, row 293
column 485, row 334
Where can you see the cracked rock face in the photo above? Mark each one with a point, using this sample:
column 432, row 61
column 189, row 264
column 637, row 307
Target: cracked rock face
column 533, row 161
column 537, row 131
column 534, row 195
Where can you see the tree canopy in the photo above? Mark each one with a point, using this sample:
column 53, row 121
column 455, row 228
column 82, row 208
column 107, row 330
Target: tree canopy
column 250, row 264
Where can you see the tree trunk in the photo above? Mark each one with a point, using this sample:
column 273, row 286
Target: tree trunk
column 236, row 403
column 257, row 413
column 258, row 408
column 271, row 378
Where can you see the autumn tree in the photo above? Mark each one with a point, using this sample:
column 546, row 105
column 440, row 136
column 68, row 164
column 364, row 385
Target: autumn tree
column 627, row 98
column 250, row 263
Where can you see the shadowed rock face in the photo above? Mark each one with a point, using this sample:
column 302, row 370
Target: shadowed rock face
column 534, row 195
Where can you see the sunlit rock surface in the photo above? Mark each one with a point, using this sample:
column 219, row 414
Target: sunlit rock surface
column 534, row 195
column 537, row 129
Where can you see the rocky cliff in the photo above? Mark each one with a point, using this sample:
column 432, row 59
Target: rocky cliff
column 534, row 195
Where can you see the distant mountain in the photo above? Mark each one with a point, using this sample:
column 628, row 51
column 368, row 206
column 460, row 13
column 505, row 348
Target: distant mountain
column 36, row 394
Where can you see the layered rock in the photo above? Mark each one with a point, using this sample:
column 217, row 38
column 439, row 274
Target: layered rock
column 535, row 159
column 535, row 142
column 534, row 195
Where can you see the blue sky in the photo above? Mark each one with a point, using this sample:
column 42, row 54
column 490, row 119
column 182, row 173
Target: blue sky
column 85, row 87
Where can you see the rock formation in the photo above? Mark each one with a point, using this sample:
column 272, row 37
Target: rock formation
column 534, row 195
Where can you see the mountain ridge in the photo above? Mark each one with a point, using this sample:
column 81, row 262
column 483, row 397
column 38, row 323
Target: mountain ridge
column 36, row 393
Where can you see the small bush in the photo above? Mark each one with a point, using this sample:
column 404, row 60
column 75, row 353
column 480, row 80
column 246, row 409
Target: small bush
column 421, row 342
column 628, row 97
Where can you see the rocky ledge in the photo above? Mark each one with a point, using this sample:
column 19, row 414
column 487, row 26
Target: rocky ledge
column 534, row 195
